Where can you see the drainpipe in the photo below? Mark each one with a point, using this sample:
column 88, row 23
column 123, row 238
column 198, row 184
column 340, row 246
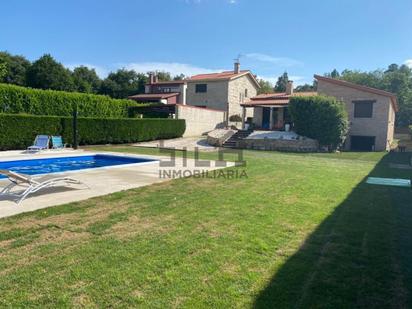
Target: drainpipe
column 271, row 119
column 75, row 132
column 243, row 117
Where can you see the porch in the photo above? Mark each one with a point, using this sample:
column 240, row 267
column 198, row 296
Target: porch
column 273, row 117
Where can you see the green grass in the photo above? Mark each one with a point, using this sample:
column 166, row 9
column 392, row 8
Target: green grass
column 303, row 230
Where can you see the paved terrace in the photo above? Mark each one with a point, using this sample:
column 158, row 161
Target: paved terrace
column 101, row 181
column 188, row 143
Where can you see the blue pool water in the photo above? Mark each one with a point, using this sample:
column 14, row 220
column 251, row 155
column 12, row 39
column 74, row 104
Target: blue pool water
column 64, row 164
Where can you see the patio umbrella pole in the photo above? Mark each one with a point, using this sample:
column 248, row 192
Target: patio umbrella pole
column 75, row 142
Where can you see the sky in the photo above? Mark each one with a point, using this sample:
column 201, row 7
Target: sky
column 200, row 36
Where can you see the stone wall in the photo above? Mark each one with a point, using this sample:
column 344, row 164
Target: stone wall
column 215, row 97
column 381, row 125
column 219, row 136
column 199, row 120
column 301, row 145
column 237, row 94
column 223, row 94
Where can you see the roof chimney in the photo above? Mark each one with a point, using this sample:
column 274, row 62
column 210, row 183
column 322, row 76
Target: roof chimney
column 289, row 87
column 237, row 66
column 151, row 77
column 155, row 78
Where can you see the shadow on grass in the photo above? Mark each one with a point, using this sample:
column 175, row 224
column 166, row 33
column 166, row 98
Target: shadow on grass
column 360, row 256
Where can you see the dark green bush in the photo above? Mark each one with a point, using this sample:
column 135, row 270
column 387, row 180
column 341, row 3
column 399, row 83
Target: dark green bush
column 151, row 110
column 19, row 131
column 235, row 118
column 320, row 117
column 16, row 99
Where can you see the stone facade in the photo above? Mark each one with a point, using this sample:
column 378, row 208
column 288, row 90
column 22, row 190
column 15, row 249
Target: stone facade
column 219, row 136
column 216, row 96
column 300, row 145
column 223, row 95
column 241, row 89
column 380, row 125
column 200, row 121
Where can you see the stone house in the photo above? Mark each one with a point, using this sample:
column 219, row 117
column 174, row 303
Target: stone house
column 166, row 92
column 270, row 110
column 224, row 91
column 371, row 112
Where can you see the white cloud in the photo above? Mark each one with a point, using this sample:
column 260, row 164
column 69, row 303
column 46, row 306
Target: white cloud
column 409, row 63
column 279, row 61
column 174, row 68
column 232, row 1
column 100, row 71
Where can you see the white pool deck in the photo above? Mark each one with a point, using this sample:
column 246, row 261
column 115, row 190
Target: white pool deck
column 102, row 181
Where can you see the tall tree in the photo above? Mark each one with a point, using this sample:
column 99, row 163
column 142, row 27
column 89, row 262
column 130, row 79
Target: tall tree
column 282, row 82
column 3, row 71
column 142, row 81
column 305, row 88
column 334, row 74
column 179, row 77
column 47, row 73
column 396, row 79
column 164, row 76
column 16, row 68
column 121, row 84
column 86, row 80
column 265, row 86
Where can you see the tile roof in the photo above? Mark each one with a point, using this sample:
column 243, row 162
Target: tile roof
column 153, row 96
column 361, row 88
column 277, row 98
column 223, row 76
column 169, row 82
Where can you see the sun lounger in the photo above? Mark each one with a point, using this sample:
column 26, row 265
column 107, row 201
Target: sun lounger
column 32, row 184
column 57, row 142
column 41, row 142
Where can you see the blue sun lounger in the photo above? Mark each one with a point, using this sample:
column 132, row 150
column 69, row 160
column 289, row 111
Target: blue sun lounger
column 57, row 142
column 41, row 142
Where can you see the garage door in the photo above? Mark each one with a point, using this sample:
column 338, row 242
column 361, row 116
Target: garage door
column 362, row 143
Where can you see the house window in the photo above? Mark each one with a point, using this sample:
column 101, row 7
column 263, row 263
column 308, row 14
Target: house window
column 165, row 90
column 245, row 93
column 363, row 109
column 241, row 97
column 201, row 88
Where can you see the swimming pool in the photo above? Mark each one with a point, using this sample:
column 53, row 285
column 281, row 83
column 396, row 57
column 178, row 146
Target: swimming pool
column 66, row 164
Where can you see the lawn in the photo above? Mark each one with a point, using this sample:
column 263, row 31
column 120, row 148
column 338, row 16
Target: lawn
column 300, row 231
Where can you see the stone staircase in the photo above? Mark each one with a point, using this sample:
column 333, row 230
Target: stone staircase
column 240, row 134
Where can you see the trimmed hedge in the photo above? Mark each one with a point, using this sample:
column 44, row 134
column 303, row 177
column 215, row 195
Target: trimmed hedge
column 320, row 117
column 150, row 110
column 15, row 99
column 19, row 131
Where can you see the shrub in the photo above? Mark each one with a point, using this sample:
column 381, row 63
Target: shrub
column 16, row 99
column 320, row 117
column 151, row 110
column 19, row 131
column 235, row 118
